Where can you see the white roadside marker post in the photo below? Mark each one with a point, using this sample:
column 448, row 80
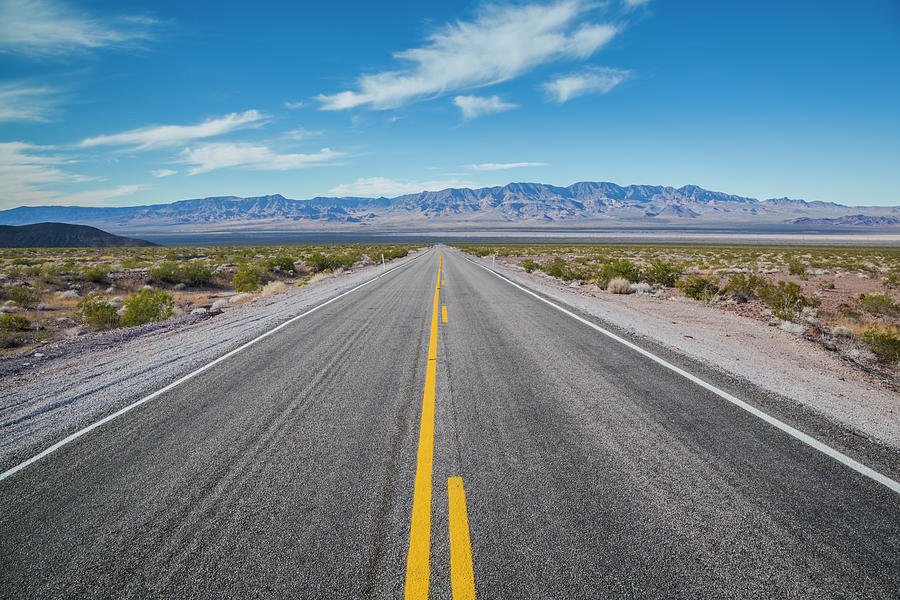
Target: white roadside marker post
column 493, row 260
column 382, row 260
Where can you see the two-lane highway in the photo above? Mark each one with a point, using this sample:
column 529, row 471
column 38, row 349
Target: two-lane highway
column 580, row 468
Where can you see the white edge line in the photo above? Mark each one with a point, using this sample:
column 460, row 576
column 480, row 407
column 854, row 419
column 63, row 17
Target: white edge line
column 190, row 375
column 796, row 433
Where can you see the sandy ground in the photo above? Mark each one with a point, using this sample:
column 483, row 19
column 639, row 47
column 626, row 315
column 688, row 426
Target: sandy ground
column 765, row 356
column 59, row 388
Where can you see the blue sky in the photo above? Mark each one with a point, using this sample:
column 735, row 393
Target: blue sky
column 112, row 103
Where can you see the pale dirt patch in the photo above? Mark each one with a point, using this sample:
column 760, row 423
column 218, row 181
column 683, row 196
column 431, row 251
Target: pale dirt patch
column 744, row 346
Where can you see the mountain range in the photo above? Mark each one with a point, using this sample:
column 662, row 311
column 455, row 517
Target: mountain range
column 589, row 204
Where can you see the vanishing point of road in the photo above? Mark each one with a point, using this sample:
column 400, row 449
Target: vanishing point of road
column 441, row 433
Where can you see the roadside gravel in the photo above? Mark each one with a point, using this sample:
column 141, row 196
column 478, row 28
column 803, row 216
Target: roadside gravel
column 772, row 359
column 57, row 389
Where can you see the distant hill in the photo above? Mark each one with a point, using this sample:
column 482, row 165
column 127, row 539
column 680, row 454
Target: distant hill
column 859, row 220
column 63, row 235
column 515, row 204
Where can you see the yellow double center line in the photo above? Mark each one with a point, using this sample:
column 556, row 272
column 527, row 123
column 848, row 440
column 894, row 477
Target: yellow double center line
column 418, row 570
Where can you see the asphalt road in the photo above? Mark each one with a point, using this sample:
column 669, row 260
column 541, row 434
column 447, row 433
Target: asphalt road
column 289, row 470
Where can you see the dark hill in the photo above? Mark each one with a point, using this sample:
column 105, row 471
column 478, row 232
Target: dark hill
column 63, row 235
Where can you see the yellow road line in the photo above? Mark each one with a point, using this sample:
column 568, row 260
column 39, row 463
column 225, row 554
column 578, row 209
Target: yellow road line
column 417, row 566
column 462, row 578
column 443, row 282
column 444, row 314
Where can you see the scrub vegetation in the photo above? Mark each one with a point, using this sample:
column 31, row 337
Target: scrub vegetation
column 845, row 298
column 49, row 294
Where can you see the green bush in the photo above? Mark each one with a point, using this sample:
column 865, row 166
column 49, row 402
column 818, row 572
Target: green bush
column 892, row 280
column 795, row 267
column 95, row 273
column 661, row 272
column 317, row 262
column 14, row 322
column 148, row 306
column 191, row 272
column 21, row 294
column 282, row 262
column 884, row 344
column 747, row 284
column 247, row 279
column 698, row 287
column 618, row 268
column 786, row 299
column 93, row 310
column 560, row 269
column 392, row 253
column 529, row 265
column 880, row 304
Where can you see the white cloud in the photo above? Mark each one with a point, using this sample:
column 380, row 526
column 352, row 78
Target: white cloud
column 159, row 136
column 635, row 3
column 593, row 81
column 301, row 133
column 476, row 106
column 501, row 166
column 29, row 173
column 294, row 105
column 374, row 187
column 21, row 102
column 46, row 27
column 163, row 172
column 220, row 155
column 502, row 43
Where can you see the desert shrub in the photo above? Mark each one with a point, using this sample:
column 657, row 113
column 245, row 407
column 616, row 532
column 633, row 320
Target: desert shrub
column 247, row 278
column 880, row 304
column 191, row 272
column 746, row 284
column 317, row 261
column 560, row 269
column 892, row 280
column 280, row 262
column 618, row 285
column 148, row 306
column 618, row 268
column 884, row 343
column 795, row 267
column 529, row 265
column 95, row 311
column 14, row 322
column 135, row 263
column 21, row 294
column 786, row 299
column 661, row 272
column 342, row 261
column 95, row 273
column 49, row 272
column 392, row 253
column 698, row 287
column 11, row 330
column 273, row 287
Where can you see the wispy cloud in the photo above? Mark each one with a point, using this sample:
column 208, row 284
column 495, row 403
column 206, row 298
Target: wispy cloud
column 502, row 43
column 22, row 102
column 294, row 105
column 592, row 81
column 373, row 187
column 48, row 27
column 160, row 136
column 31, row 174
column 163, row 172
column 634, row 3
column 476, row 106
column 301, row 133
column 501, row 166
column 219, row 155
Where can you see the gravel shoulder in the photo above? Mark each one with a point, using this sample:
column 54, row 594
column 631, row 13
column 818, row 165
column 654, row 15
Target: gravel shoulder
column 744, row 348
column 59, row 388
